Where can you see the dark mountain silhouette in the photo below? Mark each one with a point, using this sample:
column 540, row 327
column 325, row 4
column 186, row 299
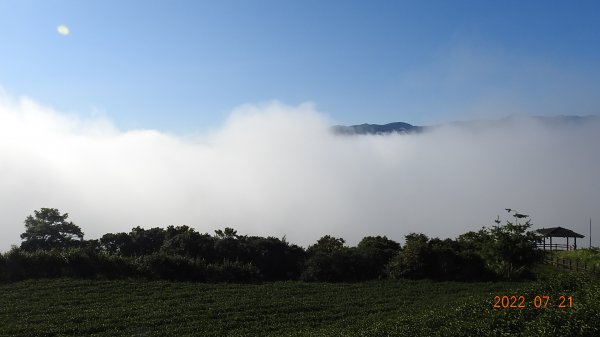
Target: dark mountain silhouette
column 376, row 129
column 405, row 128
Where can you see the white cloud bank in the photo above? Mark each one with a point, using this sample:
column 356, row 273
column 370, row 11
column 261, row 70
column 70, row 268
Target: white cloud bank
column 277, row 170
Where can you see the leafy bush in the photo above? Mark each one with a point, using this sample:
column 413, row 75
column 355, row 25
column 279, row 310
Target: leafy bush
column 509, row 250
column 3, row 271
column 172, row 267
column 80, row 264
column 21, row 265
column 414, row 260
column 232, row 271
column 591, row 257
column 330, row 261
column 181, row 253
column 374, row 253
column 112, row 266
column 276, row 259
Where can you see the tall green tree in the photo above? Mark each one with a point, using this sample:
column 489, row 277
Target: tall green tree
column 375, row 252
column 147, row 241
column 48, row 229
column 329, row 260
column 415, row 260
column 511, row 249
column 119, row 243
column 508, row 250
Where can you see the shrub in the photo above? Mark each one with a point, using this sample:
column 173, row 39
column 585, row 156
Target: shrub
column 3, row 271
column 171, row 267
column 232, row 271
column 38, row 264
column 115, row 266
column 80, row 264
column 413, row 261
column 374, row 253
column 330, row 261
column 510, row 250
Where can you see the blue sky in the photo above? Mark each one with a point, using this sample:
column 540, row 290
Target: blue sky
column 182, row 66
column 170, row 103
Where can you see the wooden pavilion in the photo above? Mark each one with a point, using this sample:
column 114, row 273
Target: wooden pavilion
column 558, row 232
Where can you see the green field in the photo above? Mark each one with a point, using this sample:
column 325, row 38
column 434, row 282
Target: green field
column 67, row 307
column 588, row 256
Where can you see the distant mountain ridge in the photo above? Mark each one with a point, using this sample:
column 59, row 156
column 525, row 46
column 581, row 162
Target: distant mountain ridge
column 406, row 128
column 376, row 129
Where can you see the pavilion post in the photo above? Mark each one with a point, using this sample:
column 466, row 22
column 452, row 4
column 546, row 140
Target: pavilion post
column 567, row 243
column 544, row 243
column 575, row 244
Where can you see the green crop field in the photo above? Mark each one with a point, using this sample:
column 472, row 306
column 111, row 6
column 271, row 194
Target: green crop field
column 588, row 256
column 67, row 307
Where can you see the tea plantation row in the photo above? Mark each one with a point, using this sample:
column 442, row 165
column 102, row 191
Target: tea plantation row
column 66, row 307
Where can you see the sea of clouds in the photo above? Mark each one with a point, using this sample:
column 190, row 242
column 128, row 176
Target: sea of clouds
column 276, row 170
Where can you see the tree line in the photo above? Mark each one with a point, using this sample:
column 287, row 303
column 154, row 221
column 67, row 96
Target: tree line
column 53, row 247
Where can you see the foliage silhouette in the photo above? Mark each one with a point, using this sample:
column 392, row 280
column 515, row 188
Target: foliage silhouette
column 53, row 247
column 49, row 229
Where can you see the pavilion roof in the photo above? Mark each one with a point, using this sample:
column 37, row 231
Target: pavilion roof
column 559, row 232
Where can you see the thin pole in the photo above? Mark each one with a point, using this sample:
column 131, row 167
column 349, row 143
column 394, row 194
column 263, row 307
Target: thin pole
column 590, row 233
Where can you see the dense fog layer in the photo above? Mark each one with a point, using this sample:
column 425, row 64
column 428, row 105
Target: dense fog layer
column 278, row 170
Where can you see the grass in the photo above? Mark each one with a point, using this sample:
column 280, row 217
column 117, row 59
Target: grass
column 588, row 256
column 67, row 307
